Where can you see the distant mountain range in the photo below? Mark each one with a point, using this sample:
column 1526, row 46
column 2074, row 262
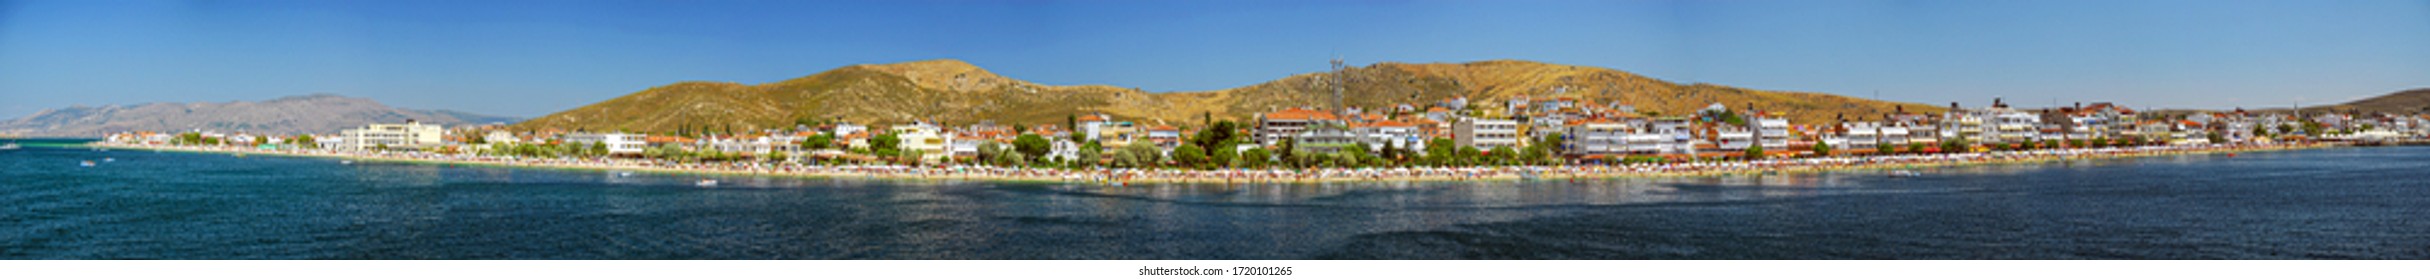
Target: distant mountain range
column 955, row 92
column 318, row 113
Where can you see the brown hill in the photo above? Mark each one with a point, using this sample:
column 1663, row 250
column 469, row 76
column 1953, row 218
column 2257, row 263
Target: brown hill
column 955, row 92
column 2408, row 101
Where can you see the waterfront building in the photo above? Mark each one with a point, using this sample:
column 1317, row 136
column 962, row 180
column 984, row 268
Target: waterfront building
column 1273, row 127
column 922, row 137
column 617, row 143
column 1485, row 134
column 411, row 134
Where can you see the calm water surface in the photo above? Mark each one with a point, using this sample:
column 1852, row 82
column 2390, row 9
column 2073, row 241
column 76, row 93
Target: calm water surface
column 2361, row 203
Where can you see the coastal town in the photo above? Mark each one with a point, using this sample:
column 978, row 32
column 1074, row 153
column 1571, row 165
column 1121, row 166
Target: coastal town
column 1453, row 139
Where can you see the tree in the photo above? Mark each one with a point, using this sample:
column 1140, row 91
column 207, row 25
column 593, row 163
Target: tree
column 1072, row 122
column 2215, row 138
column 1468, row 156
column 1189, row 155
column 2100, row 142
column 1915, row 147
column 1346, row 158
column 1289, row 146
column 2282, row 129
column 1033, row 145
column 1502, row 155
column 778, row 156
column 1222, row 155
column 885, row 144
column 990, row 151
column 382, row 147
column 2313, row 128
column 1957, row 145
column 1256, row 158
column 1089, row 155
column 1822, row 148
column 1883, row 148
column 821, row 141
column 1359, row 155
column 599, row 148
column 305, row 141
column 1754, row 152
column 1145, row 153
column 260, row 140
column 1441, row 151
column 1214, row 135
column 1553, row 143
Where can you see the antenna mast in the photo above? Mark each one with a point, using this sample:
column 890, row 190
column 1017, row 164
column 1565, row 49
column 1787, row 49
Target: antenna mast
column 1338, row 80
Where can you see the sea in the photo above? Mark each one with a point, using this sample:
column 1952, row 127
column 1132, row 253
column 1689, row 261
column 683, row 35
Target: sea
column 2338, row 203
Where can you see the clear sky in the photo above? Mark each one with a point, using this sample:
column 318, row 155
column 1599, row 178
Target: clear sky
column 527, row 58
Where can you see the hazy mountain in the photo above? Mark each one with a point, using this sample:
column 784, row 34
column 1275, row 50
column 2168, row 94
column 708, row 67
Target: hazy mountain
column 318, row 113
column 955, row 92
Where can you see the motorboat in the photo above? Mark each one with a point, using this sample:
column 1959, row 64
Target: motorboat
column 106, row 159
column 10, row 146
column 705, row 183
column 346, row 162
column 1905, row 173
column 87, row 163
column 624, row 174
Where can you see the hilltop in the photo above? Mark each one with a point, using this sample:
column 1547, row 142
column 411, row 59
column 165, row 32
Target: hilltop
column 955, row 92
column 317, row 113
column 2407, row 101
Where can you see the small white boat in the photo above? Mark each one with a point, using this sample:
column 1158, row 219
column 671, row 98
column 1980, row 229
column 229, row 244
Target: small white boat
column 1905, row 173
column 624, row 174
column 109, row 159
column 87, row 163
column 347, row 162
column 9, row 146
column 706, row 183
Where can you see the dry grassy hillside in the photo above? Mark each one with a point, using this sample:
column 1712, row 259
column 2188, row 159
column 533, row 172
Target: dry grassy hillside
column 954, row 92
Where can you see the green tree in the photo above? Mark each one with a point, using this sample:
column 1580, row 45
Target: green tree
column 599, row 148
column 1286, row 149
column 1346, row 158
column 2215, row 138
column 778, row 156
column 2100, row 142
column 1090, row 155
column 1032, row 145
column 1754, row 152
column 1554, row 144
column 1915, row 147
column 1146, row 153
column 1502, row 155
column 1189, row 155
column 1468, row 156
column 1441, row 152
column 886, row 144
column 991, row 152
column 1883, row 148
column 306, row 141
column 820, row 141
column 1256, row 158
column 1822, row 148
column 1223, row 155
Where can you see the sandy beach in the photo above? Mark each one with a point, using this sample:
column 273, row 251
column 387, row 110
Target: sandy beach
column 1119, row 176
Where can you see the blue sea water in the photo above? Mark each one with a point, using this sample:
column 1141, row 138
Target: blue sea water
column 2346, row 203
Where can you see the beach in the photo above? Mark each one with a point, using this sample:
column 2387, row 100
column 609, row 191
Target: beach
column 1126, row 176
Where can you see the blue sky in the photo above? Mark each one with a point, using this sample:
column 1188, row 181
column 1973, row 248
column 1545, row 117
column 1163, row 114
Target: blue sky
column 527, row 58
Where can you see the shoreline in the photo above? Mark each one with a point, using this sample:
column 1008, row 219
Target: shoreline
column 1124, row 177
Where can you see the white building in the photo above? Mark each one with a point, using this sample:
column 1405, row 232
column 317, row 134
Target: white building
column 927, row 139
column 617, row 143
column 411, row 134
column 1484, row 134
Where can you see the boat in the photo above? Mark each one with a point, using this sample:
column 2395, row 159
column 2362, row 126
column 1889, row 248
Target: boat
column 705, row 183
column 624, row 174
column 348, row 162
column 87, row 163
column 10, row 146
column 109, row 159
column 1905, row 173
